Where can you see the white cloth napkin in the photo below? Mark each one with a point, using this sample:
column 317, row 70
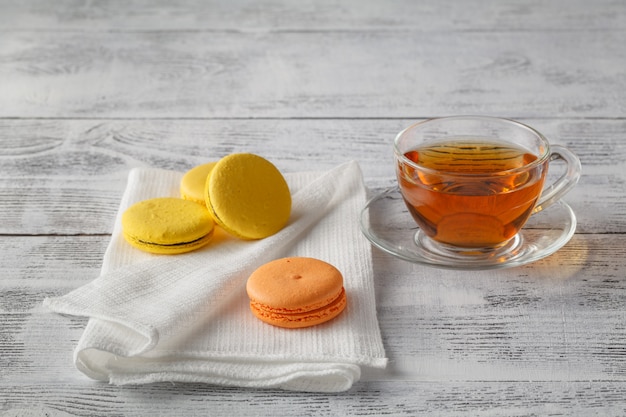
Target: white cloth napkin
column 186, row 318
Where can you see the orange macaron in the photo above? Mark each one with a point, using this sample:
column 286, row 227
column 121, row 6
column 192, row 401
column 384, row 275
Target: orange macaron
column 296, row 292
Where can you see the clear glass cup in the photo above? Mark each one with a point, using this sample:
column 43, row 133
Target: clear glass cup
column 472, row 182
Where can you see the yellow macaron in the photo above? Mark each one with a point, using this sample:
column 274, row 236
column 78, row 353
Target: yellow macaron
column 167, row 225
column 248, row 196
column 193, row 183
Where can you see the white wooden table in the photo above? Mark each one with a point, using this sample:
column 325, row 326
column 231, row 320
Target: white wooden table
column 89, row 90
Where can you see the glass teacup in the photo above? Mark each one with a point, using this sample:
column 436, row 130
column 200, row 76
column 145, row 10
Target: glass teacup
column 472, row 182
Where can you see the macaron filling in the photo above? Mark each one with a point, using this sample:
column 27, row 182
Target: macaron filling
column 323, row 313
column 170, row 245
column 301, row 310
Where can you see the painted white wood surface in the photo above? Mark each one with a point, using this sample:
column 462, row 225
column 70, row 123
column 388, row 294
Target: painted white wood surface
column 89, row 90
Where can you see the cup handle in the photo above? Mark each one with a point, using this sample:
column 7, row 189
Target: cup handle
column 566, row 182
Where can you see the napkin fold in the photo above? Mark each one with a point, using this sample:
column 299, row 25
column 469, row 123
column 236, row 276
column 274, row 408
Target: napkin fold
column 186, row 318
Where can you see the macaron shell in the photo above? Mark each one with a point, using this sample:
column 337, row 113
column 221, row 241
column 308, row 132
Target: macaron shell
column 248, row 196
column 296, row 292
column 304, row 319
column 193, row 183
column 167, row 225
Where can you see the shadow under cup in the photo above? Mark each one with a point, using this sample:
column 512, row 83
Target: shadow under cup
column 471, row 183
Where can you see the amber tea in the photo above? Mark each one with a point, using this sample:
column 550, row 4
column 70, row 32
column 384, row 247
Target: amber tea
column 470, row 193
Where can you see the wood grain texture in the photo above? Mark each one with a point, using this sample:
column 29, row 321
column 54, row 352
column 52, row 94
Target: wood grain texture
column 90, row 90
column 307, row 15
column 533, row 338
column 287, row 74
column 80, row 166
column 516, row 399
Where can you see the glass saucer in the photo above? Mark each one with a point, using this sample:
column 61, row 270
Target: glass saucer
column 387, row 223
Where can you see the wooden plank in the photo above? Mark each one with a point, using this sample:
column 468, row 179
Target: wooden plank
column 248, row 15
column 34, row 267
column 539, row 322
column 288, row 74
column 561, row 318
column 67, row 176
column 515, row 399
